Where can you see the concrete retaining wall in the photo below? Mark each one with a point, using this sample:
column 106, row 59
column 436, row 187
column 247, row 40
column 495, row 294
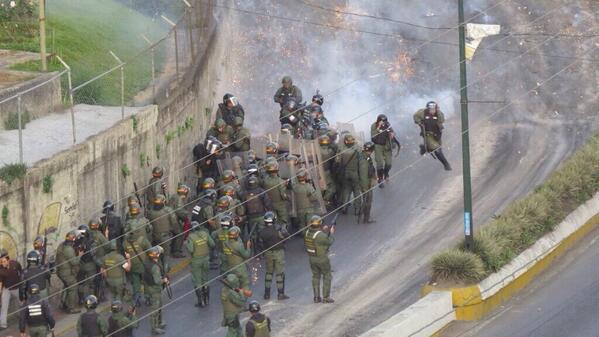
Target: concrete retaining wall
column 89, row 173
column 38, row 102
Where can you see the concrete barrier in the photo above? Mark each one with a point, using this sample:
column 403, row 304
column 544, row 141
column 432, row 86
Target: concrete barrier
column 430, row 314
column 423, row 318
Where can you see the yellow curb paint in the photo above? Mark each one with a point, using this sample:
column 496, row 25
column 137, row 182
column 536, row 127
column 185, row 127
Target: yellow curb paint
column 175, row 270
column 468, row 302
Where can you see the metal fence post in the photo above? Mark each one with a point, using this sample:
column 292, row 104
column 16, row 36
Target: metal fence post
column 170, row 22
column 188, row 12
column 152, row 51
column 122, row 83
column 71, row 102
column 19, row 118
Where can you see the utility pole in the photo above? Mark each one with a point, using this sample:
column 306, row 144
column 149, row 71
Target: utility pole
column 42, row 19
column 468, row 226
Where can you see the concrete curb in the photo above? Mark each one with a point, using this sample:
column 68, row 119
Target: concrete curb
column 429, row 315
column 423, row 318
column 72, row 323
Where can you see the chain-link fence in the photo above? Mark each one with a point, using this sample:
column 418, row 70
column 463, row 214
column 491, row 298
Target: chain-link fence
column 44, row 113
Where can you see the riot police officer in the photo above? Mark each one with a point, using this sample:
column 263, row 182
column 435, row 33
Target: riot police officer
column 272, row 238
column 111, row 223
column 230, row 109
column 383, row 137
column 198, row 243
column 67, row 269
column 258, row 325
column 156, row 185
column 154, row 277
column 430, row 121
column 236, row 254
column 317, row 243
column 164, row 223
column 257, row 203
column 277, row 193
column 35, row 273
column 367, row 181
column 287, row 91
column 35, row 314
column 90, row 323
column 119, row 323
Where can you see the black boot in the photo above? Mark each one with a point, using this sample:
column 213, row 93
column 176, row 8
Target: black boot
column 442, row 159
column 386, row 172
column 281, row 295
column 206, row 295
column 199, row 295
column 267, row 293
column 380, row 174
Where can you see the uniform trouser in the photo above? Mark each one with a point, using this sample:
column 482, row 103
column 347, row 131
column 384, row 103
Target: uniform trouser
column 303, row 217
column 155, row 295
column 224, row 266
column 351, row 183
column 69, row 281
column 431, row 142
column 199, row 270
column 242, row 274
column 330, row 190
column 280, row 210
column 38, row 331
column 178, row 239
column 233, row 326
column 87, row 273
column 5, row 303
column 164, row 240
column 383, row 157
column 135, row 279
column 367, row 203
column 255, row 224
column 275, row 264
column 117, row 287
column 321, row 269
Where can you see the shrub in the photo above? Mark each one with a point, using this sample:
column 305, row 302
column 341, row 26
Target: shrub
column 458, row 266
column 525, row 220
column 11, row 172
column 12, row 120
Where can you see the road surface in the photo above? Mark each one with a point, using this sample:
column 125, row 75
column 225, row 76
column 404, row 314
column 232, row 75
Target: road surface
column 563, row 301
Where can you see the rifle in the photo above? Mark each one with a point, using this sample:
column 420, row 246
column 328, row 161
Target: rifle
column 136, row 191
column 245, row 292
column 333, row 223
column 167, row 286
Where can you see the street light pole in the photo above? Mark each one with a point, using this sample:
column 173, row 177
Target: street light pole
column 42, row 19
column 468, row 225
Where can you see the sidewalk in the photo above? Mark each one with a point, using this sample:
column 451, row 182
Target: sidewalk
column 53, row 133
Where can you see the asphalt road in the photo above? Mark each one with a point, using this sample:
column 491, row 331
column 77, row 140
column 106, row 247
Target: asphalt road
column 563, row 301
column 379, row 268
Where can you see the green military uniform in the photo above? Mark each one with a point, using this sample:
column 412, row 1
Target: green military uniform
column 241, row 136
column 328, row 154
column 383, row 149
column 233, row 304
column 225, row 136
column 100, row 243
column 305, row 195
column 35, row 316
column 235, row 254
column 367, row 181
column 115, row 274
column 154, row 188
column 67, row 269
column 317, row 245
column 91, row 324
column 433, row 124
column 138, row 225
column 178, row 205
column 121, row 324
column 153, row 279
column 283, row 94
column 164, row 223
column 277, row 193
column 198, row 243
column 347, row 166
column 136, row 248
column 220, row 236
column 272, row 237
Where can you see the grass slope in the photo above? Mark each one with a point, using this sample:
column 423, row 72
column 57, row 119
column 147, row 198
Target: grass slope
column 83, row 32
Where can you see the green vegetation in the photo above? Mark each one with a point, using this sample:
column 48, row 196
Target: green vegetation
column 18, row 25
column 12, row 120
column 47, row 184
column 84, row 42
column 125, row 171
column 158, row 151
column 143, row 160
column 5, row 216
column 526, row 220
column 135, row 123
column 11, row 172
